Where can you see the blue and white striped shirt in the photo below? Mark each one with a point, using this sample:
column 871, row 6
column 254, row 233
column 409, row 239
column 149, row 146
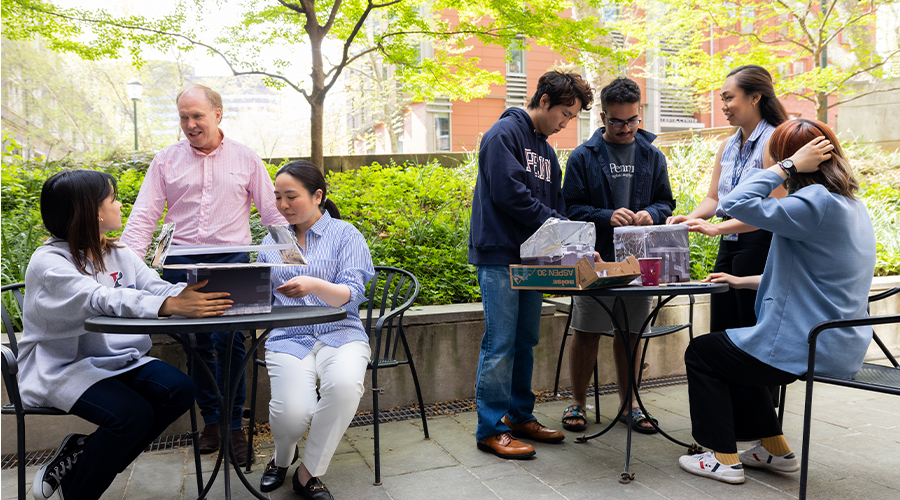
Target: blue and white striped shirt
column 737, row 161
column 337, row 253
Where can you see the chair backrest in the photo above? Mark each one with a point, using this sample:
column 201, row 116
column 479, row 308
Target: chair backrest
column 875, row 298
column 390, row 292
column 9, row 325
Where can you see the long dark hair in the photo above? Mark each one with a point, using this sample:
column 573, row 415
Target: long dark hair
column 753, row 80
column 70, row 203
column 312, row 179
column 834, row 173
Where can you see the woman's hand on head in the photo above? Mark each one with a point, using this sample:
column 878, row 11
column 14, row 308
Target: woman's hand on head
column 299, row 286
column 813, row 153
column 702, row 226
column 194, row 304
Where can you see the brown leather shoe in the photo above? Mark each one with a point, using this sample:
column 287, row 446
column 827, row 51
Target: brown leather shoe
column 239, row 445
column 504, row 446
column 210, row 439
column 535, row 431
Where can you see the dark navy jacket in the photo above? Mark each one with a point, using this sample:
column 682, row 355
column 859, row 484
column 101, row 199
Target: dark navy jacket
column 587, row 186
column 517, row 189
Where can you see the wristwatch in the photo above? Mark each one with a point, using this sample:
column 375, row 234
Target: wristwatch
column 788, row 167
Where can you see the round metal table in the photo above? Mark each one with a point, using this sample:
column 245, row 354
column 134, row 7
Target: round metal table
column 179, row 327
column 665, row 293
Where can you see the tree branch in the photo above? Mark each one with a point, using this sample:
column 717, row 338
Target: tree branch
column 294, row 7
column 183, row 37
column 864, row 94
column 870, row 68
column 345, row 59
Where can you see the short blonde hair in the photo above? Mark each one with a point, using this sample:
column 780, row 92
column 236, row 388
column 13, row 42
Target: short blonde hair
column 212, row 97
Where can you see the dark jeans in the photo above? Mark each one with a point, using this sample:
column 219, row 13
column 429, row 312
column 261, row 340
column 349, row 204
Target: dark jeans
column 744, row 257
column 131, row 410
column 729, row 393
column 211, row 348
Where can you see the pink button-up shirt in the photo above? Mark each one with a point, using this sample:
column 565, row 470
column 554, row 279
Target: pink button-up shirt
column 208, row 196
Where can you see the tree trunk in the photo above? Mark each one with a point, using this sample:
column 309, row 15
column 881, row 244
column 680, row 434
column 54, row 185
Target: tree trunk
column 822, row 107
column 316, row 130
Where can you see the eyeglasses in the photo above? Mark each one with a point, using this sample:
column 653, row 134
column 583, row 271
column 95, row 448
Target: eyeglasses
column 618, row 124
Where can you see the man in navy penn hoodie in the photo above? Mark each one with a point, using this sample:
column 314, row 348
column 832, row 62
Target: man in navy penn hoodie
column 517, row 189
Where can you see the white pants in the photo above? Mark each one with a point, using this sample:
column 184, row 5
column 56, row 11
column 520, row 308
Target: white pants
column 294, row 407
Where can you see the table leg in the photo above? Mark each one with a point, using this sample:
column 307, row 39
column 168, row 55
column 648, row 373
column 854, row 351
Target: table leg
column 632, row 390
column 248, row 358
column 189, row 349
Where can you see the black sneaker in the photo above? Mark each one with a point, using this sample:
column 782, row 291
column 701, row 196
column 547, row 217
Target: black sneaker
column 48, row 477
column 314, row 489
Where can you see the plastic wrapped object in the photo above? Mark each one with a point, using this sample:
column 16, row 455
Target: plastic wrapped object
column 667, row 242
column 559, row 243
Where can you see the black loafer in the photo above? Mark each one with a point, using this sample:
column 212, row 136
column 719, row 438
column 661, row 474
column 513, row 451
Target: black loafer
column 273, row 476
column 314, row 489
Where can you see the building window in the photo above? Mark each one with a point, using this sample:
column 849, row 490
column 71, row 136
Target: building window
column 799, row 67
column 442, row 131
column 516, row 63
column 611, row 13
column 747, row 15
column 584, row 128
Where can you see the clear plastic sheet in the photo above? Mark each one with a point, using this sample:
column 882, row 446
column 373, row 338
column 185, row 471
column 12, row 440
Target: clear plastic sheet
column 667, row 242
column 559, row 243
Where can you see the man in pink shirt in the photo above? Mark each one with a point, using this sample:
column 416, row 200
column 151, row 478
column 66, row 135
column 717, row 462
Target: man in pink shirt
column 207, row 183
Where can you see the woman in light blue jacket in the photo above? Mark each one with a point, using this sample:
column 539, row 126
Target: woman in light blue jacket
column 819, row 268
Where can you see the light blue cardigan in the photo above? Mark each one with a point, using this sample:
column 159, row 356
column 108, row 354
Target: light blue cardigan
column 819, row 268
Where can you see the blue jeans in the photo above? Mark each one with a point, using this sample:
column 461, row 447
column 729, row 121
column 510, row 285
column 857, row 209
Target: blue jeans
column 131, row 410
column 211, row 348
column 512, row 327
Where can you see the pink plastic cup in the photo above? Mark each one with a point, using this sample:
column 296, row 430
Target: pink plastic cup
column 650, row 271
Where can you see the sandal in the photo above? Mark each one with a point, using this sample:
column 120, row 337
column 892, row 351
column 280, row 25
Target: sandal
column 575, row 411
column 637, row 416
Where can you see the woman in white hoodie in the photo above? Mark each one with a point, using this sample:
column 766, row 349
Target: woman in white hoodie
column 106, row 379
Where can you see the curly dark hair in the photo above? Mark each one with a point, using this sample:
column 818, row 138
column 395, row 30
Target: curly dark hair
column 622, row 90
column 563, row 88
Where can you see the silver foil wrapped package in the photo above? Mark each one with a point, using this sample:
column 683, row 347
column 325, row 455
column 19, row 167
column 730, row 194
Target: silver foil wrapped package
column 559, row 242
column 667, row 242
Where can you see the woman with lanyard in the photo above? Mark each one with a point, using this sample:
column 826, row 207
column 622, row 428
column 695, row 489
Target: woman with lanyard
column 749, row 102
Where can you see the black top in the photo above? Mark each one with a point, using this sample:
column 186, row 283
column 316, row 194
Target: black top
column 279, row 317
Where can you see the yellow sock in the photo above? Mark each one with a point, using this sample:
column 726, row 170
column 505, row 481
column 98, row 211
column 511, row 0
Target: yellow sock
column 776, row 445
column 728, row 458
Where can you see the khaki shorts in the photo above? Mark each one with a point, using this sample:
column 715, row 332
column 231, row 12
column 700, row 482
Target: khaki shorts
column 589, row 316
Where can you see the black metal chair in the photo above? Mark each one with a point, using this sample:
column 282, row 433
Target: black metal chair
column 655, row 331
column 390, row 293
column 10, row 370
column 872, row 298
column 871, row 377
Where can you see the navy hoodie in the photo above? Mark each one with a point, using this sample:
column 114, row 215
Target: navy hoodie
column 517, row 189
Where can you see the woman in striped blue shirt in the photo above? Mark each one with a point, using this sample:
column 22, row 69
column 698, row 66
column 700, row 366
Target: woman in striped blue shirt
column 749, row 103
column 333, row 354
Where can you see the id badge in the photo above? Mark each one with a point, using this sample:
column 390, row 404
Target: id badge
column 730, row 237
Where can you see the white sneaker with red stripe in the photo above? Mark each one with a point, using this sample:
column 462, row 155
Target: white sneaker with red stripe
column 706, row 465
column 757, row 456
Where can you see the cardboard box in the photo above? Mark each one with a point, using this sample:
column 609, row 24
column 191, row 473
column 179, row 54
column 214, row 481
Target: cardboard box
column 584, row 275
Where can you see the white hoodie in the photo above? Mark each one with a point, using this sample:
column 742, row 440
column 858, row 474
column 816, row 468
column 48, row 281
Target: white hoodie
column 58, row 359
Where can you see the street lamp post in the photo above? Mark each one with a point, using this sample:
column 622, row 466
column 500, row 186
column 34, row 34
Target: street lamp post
column 134, row 90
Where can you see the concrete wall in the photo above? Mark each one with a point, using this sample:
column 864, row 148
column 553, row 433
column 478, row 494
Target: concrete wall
column 445, row 341
column 872, row 118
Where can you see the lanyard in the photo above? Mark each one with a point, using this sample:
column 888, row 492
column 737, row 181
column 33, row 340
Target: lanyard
column 737, row 174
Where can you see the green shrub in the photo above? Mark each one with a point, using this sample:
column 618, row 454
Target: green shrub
column 414, row 217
